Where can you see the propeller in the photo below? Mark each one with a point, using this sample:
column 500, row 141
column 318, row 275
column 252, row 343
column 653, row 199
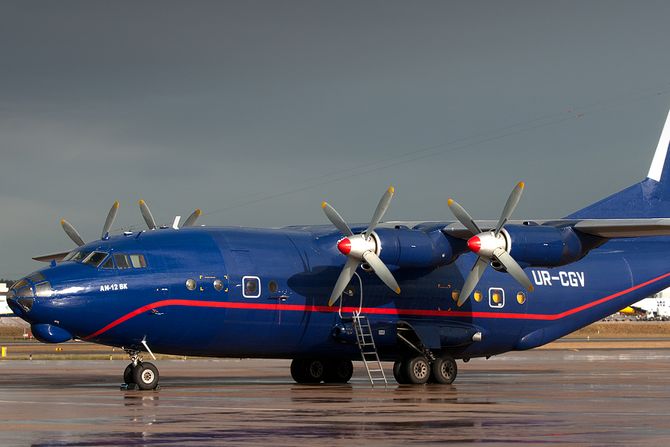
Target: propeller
column 360, row 248
column 190, row 221
column 490, row 245
column 151, row 222
column 146, row 214
column 74, row 234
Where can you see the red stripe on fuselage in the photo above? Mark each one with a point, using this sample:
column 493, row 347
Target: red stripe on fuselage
column 367, row 310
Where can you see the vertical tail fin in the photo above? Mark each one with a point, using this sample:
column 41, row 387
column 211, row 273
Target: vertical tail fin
column 646, row 199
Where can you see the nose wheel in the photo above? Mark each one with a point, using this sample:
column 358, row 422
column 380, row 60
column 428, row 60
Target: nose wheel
column 139, row 375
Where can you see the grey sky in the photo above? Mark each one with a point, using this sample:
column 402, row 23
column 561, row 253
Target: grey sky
column 257, row 111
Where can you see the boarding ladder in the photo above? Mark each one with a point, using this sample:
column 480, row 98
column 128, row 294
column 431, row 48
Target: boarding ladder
column 366, row 341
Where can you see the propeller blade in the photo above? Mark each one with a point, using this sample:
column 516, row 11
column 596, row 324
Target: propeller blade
column 146, row 214
column 512, row 202
column 192, row 218
column 344, row 278
column 463, row 216
column 70, row 231
column 335, row 218
column 472, row 280
column 381, row 270
column 513, row 268
column 110, row 219
column 382, row 206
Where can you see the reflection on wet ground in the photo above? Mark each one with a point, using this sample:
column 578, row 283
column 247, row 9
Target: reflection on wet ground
column 539, row 397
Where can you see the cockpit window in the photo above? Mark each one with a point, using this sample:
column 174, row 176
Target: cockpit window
column 108, row 264
column 43, row 290
column 69, row 256
column 79, row 256
column 36, row 277
column 122, row 261
column 18, row 284
column 137, row 261
column 95, row 258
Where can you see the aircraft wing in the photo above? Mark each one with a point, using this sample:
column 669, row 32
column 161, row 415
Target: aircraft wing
column 607, row 228
column 51, row 257
column 611, row 228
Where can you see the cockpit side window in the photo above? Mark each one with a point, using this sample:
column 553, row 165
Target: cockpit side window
column 108, row 264
column 70, row 255
column 79, row 256
column 36, row 277
column 122, row 261
column 138, row 261
column 95, row 258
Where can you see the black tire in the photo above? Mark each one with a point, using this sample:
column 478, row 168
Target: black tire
column 314, row 370
column 298, row 370
column 417, row 370
column 308, row 370
column 398, row 373
column 146, row 376
column 129, row 374
column 444, row 370
column 338, row 371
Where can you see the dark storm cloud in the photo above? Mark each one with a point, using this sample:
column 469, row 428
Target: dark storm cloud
column 222, row 104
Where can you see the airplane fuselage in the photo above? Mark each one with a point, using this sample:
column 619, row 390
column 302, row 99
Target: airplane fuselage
column 232, row 292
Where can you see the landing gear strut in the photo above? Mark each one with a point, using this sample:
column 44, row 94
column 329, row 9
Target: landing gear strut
column 138, row 374
column 318, row 370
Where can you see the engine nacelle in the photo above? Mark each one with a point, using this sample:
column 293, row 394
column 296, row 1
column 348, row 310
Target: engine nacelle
column 406, row 247
column 544, row 246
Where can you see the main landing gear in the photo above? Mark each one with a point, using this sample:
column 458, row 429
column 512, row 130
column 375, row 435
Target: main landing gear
column 320, row 370
column 138, row 374
column 419, row 370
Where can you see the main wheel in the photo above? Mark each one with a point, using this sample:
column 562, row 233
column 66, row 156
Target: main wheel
column 399, row 374
column 298, row 370
column 129, row 374
column 417, row 370
column 307, row 370
column 146, row 376
column 445, row 369
column 338, row 371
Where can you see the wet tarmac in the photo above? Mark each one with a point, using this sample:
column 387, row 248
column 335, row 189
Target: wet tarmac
column 589, row 397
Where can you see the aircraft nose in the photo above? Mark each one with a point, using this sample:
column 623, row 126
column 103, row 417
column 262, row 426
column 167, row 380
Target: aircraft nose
column 20, row 303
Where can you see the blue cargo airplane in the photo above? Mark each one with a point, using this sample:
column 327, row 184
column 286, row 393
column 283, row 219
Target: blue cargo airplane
column 422, row 294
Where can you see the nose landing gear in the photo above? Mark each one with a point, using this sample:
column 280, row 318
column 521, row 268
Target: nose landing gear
column 138, row 374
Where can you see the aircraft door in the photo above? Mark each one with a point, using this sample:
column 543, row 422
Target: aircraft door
column 351, row 301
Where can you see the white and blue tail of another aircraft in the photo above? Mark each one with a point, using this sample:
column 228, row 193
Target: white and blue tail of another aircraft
column 649, row 198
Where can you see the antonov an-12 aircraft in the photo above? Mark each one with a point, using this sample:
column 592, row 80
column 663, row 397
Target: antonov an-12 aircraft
column 421, row 294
